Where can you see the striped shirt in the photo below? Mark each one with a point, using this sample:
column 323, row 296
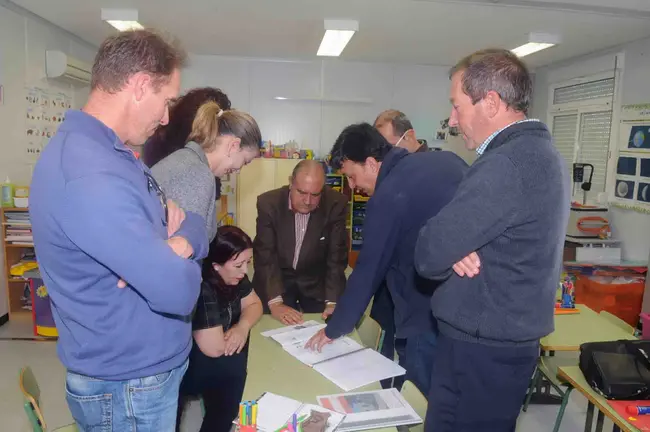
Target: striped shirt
column 300, row 222
column 481, row 149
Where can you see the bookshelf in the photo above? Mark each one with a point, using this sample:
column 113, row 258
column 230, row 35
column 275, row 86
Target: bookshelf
column 17, row 245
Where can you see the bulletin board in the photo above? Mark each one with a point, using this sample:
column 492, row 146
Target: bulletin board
column 632, row 174
column 45, row 111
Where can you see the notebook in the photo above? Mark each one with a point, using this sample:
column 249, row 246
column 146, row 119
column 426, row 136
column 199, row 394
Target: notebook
column 345, row 362
column 371, row 409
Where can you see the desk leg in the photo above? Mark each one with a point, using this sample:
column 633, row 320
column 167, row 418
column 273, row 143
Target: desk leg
column 590, row 417
column 600, row 421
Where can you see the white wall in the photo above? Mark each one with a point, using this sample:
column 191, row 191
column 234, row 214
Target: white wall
column 23, row 41
column 360, row 91
column 633, row 228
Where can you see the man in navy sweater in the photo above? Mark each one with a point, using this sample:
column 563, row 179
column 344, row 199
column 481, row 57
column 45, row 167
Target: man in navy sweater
column 497, row 247
column 119, row 261
column 406, row 190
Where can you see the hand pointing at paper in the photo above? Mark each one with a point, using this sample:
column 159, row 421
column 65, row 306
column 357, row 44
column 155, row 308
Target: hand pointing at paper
column 318, row 341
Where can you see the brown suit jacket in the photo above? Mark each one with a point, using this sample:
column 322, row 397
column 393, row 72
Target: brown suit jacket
column 320, row 271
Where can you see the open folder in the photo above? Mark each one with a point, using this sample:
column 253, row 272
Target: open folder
column 345, row 362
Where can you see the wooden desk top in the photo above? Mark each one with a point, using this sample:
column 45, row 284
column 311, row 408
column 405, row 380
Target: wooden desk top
column 574, row 376
column 271, row 369
column 572, row 330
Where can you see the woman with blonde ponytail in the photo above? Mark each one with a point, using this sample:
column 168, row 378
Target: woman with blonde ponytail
column 220, row 143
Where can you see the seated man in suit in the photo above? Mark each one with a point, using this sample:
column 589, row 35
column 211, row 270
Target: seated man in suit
column 301, row 247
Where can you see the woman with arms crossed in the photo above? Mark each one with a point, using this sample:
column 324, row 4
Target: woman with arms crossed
column 227, row 309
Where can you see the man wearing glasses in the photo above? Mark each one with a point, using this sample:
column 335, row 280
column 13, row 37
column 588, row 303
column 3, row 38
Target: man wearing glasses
column 301, row 246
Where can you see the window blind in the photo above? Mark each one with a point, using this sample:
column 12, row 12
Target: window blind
column 564, row 136
column 585, row 91
column 593, row 145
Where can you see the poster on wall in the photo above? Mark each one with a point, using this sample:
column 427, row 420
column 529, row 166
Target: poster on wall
column 45, row 111
column 632, row 183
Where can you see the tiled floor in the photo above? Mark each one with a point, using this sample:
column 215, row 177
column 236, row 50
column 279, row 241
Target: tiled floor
column 41, row 356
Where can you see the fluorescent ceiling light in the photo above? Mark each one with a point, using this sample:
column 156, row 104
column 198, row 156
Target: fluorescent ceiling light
column 536, row 42
column 337, row 35
column 122, row 19
column 280, row 98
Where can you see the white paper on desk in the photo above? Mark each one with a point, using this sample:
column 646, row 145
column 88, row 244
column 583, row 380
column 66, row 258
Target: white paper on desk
column 358, row 369
column 333, row 421
column 290, row 328
column 339, row 347
column 371, row 409
column 297, row 336
column 273, row 411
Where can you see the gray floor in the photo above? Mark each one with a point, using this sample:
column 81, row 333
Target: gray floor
column 41, row 356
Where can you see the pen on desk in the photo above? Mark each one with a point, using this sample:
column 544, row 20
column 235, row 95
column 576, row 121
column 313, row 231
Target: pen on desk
column 295, row 422
column 242, row 418
column 254, row 422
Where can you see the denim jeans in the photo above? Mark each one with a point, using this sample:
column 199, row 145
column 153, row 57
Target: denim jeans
column 416, row 356
column 141, row 404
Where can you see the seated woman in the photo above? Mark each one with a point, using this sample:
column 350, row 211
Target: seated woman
column 227, row 309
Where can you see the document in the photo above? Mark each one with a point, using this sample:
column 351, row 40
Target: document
column 340, row 347
column 290, row 328
column 275, row 412
column 371, row 410
column 358, row 369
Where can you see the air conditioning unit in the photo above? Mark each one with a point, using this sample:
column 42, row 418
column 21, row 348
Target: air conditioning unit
column 61, row 66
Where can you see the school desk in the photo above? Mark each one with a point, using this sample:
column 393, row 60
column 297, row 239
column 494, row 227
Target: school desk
column 573, row 375
column 572, row 330
column 271, row 369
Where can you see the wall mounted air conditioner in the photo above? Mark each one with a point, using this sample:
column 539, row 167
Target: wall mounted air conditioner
column 59, row 65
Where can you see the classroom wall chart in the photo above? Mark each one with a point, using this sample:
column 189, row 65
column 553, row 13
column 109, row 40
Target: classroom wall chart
column 632, row 185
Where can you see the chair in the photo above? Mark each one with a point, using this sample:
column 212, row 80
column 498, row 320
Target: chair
column 32, row 395
column 418, row 402
column 370, row 333
column 547, row 367
column 613, row 319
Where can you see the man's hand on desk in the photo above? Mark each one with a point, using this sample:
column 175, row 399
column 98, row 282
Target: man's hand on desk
column 318, row 341
column 468, row 266
column 285, row 314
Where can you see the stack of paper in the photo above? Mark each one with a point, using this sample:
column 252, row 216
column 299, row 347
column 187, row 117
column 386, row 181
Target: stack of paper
column 345, row 362
column 371, row 410
column 275, row 411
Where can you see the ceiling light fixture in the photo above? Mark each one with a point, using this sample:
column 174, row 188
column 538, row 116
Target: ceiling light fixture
column 536, row 43
column 122, row 19
column 337, row 35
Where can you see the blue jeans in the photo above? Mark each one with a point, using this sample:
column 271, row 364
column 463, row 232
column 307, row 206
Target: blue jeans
column 416, row 356
column 140, row 404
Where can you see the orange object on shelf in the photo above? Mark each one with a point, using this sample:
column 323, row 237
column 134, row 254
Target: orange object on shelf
column 622, row 300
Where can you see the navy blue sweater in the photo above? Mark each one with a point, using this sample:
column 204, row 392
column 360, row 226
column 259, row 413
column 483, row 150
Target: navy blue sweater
column 512, row 208
column 410, row 189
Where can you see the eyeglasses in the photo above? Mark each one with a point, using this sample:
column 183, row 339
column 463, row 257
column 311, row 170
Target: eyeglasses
column 152, row 184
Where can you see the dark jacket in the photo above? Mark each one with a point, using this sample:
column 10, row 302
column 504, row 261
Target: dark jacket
column 410, row 189
column 512, row 208
column 320, row 272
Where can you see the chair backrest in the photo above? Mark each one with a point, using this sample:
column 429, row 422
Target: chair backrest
column 32, row 396
column 613, row 319
column 370, row 333
column 418, row 402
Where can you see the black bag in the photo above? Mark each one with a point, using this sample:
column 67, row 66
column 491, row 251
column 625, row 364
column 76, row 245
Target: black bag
column 618, row 369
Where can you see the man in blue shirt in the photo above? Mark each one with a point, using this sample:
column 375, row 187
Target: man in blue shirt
column 406, row 190
column 100, row 221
